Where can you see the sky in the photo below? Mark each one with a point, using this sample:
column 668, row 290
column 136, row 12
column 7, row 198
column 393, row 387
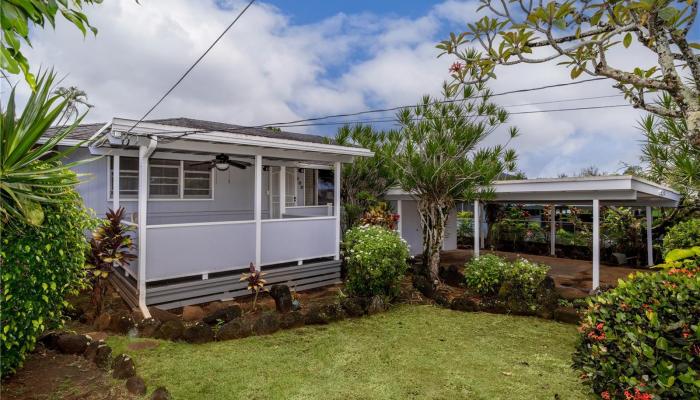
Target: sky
column 288, row 59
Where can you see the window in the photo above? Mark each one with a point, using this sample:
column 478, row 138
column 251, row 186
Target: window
column 324, row 187
column 168, row 179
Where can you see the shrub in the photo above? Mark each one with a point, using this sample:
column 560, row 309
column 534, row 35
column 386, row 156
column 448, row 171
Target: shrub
column 485, row 274
column 376, row 260
column 521, row 284
column 641, row 340
column 682, row 235
column 40, row 267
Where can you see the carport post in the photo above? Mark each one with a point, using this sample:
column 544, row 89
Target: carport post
column 650, row 248
column 553, row 231
column 596, row 244
column 476, row 228
column 257, row 211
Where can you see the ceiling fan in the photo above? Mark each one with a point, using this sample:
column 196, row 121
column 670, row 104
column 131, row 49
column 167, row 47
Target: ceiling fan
column 222, row 162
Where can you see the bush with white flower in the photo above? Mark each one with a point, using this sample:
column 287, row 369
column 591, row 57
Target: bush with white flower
column 376, row 260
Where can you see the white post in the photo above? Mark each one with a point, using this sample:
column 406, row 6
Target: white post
column 257, row 211
column 482, row 238
column 596, row 244
column 399, row 225
column 553, row 231
column 650, row 248
column 144, row 153
column 476, row 228
column 283, row 190
column 336, row 204
column 115, row 182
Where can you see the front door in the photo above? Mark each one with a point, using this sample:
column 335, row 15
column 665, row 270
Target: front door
column 290, row 190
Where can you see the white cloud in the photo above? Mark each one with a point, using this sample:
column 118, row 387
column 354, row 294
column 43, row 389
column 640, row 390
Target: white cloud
column 267, row 69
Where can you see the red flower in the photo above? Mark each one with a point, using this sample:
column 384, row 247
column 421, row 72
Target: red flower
column 456, row 67
column 605, row 395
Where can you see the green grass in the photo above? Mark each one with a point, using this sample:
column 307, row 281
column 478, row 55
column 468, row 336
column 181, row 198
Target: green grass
column 408, row 352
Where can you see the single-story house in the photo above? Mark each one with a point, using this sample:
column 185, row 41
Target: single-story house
column 593, row 191
column 204, row 199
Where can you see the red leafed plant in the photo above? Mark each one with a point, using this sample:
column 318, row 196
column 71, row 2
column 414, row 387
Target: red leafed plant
column 110, row 245
column 256, row 283
column 380, row 214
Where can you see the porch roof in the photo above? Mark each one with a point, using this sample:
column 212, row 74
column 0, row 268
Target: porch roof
column 623, row 190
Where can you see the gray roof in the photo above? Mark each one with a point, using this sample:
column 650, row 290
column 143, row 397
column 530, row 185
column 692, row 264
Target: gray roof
column 85, row 131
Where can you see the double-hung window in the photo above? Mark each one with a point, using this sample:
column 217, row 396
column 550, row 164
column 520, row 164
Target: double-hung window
column 167, row 179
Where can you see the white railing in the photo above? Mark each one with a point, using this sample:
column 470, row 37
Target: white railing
column 287, row 240
column 309, row 211
column 178, row 250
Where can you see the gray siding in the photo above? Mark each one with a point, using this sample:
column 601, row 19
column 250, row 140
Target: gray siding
column 411, row 230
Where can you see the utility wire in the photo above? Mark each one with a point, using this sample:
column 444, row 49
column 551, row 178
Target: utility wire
column 192, row 66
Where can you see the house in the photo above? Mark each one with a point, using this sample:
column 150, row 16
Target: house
column 206, row 199
column 592, row 192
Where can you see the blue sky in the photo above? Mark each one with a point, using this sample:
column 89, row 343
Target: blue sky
column 292, row 59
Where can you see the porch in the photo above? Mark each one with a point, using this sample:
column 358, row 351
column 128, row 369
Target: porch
column 274, row 203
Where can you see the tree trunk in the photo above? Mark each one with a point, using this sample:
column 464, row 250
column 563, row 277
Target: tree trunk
column 433, row 218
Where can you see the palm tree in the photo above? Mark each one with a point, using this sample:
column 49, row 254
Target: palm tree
column 440, row 160
column 31, row 173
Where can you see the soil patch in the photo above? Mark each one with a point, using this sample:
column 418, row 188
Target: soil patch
column 48, row 375
column 143, row 345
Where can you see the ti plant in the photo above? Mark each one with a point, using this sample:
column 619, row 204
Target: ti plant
column 110, row 245
column 256, row 283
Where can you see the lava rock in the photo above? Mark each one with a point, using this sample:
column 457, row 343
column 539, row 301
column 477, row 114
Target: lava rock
column 69, row 343
column 234, row 329
column 102, row 322
column 161, row 393
column 91, row 349
column 148, row 327
column 451, row 275
column 376, row 305
column 136, row 385
column 464, row 303
column 567, row 315
column 49, row 340
column 170, row 330
column 547, row 296
column 225, row 314
column 137, row 316
column 354, row 306
column 103, row 355
column 121, row 323
column 316, row 315
column 267, row 323
column 334, row 312
column 198, row 333
column 283, row 298
column 424, row 285
column 192, row 313
column 162, row 315
column 123, row 367
column 292, row 319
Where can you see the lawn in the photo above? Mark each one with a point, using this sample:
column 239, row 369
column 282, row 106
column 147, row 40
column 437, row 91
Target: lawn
column 408, row 352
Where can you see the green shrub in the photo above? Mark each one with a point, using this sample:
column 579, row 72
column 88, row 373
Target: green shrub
column 643, row 338
column 376, row 260
column 520, row 290
column 682, row 235
column 485, row 274
column 40, row 267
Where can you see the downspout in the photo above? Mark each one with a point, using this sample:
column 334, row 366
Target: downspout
column 145, row 151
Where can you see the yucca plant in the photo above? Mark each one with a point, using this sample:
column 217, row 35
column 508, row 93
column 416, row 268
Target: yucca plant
column 110, row 245
column 31, row 173
column 256, row 283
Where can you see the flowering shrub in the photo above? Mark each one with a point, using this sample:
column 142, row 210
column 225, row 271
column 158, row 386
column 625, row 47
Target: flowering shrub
column 521, row 283
column 40, row 267
column 641, row 340
column 682, row 235
column 485, row 274
column 376, row 260
column 379, row 214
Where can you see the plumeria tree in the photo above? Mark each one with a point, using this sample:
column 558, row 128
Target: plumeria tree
column 441, row 159
column 581, row 35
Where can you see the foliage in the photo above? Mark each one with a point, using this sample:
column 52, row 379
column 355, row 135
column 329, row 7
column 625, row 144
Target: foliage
column 521, row 282
column 26, row 181
column 380, row 214
column 624, row 232
column 110, row 245
column 582, row 35
column 441, row 161
column 18, row 18
column 367, row 178
column 256, row 283
column 376, row 260
column 681, row 258
column 682, row 235
column 40, row 267
column 513, row 224
column 642, row 338
column 485, row 274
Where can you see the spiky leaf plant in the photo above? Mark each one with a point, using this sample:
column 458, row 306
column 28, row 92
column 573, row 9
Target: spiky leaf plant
column 256, row 283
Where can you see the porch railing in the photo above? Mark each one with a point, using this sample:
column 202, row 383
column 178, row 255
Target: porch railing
column 309, row 211
column 287, row 240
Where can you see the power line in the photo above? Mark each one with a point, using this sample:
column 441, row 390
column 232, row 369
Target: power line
column 192, row 66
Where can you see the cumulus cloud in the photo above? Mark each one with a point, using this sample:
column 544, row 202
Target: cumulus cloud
column 268, row 69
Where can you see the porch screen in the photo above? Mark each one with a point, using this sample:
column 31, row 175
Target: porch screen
column 164, row 180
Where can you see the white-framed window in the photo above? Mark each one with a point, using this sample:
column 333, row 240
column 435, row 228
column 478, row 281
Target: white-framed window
column 167, row 179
